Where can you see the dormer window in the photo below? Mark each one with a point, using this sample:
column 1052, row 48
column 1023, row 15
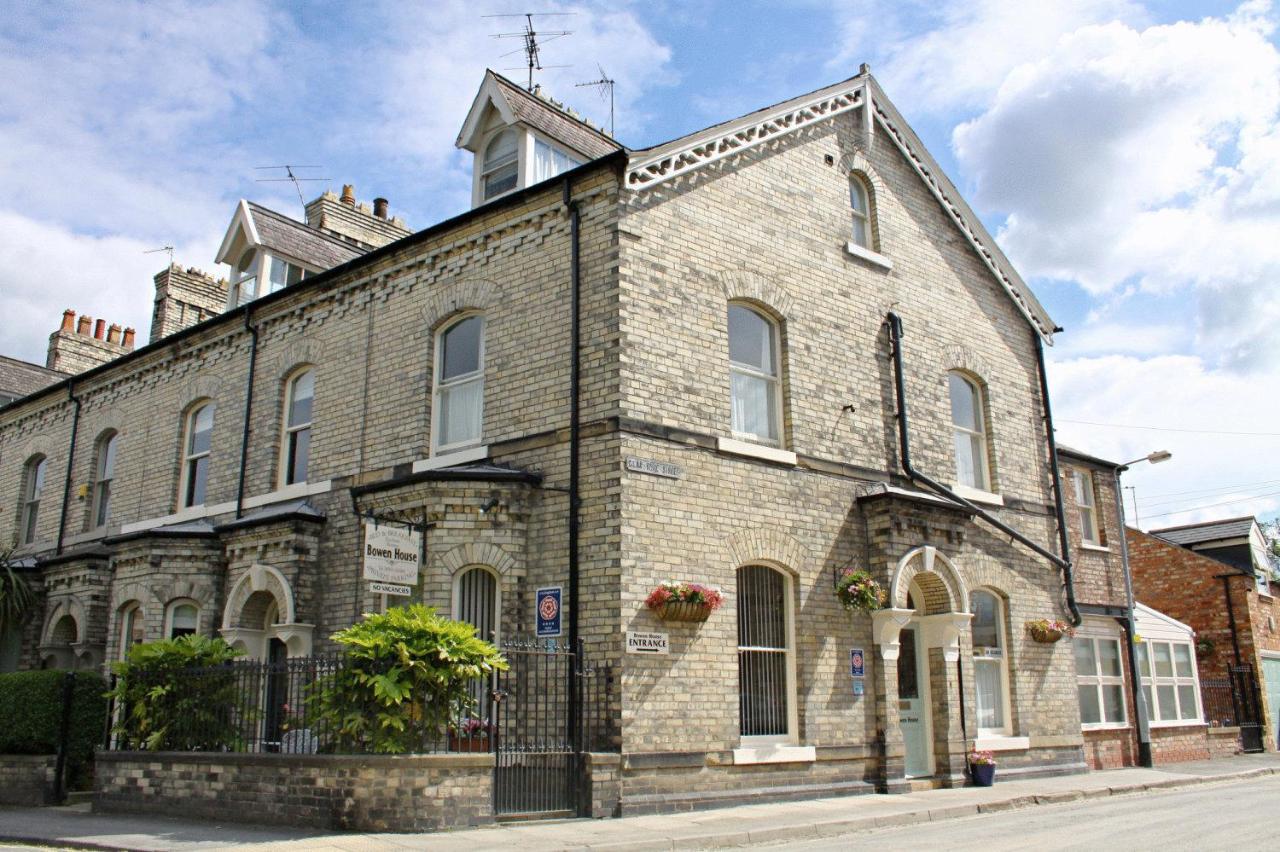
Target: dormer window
column 549, row 161
column 283, row 274
column 501, row 169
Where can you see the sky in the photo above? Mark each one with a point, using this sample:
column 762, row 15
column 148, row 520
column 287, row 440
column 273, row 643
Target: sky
column 1126, row 155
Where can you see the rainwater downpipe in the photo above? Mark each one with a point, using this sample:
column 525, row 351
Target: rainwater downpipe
column 71, row 456
column 904, row 440
column 1068, row 577
column 1131, row 628
column 248, row 409
column 575, row 440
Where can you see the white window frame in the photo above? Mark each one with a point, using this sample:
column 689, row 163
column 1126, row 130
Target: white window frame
column 859, row 184
column 289, row 430
column 983, row 654
column 456, row 604
column 983, row 467
column 1087, row 504
column 486, row 169
column 439, row 386
column 131, row 617
column 791, row 737
column 103, row 476
column 1151, row 683
column 35, row 471
column 172, row 609
column 774, row 382
column 189, row 458
column 1098, row 680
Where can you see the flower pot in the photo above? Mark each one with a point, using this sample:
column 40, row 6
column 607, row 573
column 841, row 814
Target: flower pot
column 1046, row 637
column 465, row 745
column 683, row 611
column 984, row 774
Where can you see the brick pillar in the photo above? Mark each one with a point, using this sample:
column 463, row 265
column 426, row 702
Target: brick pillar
column 886, row 624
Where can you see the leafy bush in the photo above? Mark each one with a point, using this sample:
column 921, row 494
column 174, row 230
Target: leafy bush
column 178, row 695
column 31, row 710
column 407, row 673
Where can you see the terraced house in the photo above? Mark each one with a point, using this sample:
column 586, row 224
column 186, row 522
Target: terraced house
column 751, row 358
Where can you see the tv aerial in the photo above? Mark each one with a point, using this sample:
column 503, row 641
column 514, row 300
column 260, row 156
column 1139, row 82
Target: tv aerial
column 292, row 177
column 531, row 43
column 168, row 249
column 604, row 86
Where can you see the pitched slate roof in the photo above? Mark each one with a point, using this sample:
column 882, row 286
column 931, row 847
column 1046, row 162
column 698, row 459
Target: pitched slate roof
column 554, row 121
column 293, row 238
column 20, row 378
column 1189, row 534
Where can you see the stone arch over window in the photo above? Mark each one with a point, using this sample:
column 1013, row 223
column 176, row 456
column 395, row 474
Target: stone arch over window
column 454, row 297
column 478, row 553
column 259, row 608
column 937, row 578
column 767, row 546
column 855, row 166
column 762, row 291
column 958, row 357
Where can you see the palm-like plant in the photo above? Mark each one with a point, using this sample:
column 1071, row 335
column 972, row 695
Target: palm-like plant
column 17, row 598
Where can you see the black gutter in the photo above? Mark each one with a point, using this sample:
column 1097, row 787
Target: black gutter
column 71, row 457
column 575, row 442
column 248, row 408
column 460, row 474
column 904, row 441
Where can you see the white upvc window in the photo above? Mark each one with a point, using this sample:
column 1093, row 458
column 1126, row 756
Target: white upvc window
column 860, row 207
column 32, row 490
column 196, row 445
column 132, row 628
column 755, row 391
column 500, row 169
column 990, row 664
column 968, row 420
column 766, row 661
column 1100, row 681
column 281, row 273
column 458, row 412
column 103, row 476
column 1170, row 683
column 182, row 619
column 1086, row 502
column 549, row 161
column 295, row 448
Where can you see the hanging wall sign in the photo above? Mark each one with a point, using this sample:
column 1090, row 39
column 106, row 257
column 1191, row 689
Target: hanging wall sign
column 391, row 589
column 391, row 553
column 857, row 663
column 547, row 615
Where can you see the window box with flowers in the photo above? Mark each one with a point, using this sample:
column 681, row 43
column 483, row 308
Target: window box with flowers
column 1047, row 632
column 856, row 589
column 470, row 735
column 684, row 601
column 982, row 768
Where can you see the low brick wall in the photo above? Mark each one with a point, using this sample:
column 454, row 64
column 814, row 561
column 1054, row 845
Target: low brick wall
column 1224, row 742
column 1110, row 749
column 1180, row 744
column 27, row 779
column 346, row 792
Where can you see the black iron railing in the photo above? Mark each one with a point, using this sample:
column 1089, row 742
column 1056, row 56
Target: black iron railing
column 1219, row 702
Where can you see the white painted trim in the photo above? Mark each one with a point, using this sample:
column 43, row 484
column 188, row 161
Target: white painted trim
column 998, row 743
column 872, row 257
column 774, row 754
column 192, row 513
column 1104, row 726
column 242, row 217
column 977, row 495
column 735, row 447
column 1084, row 545
column 451, row 458
column 288, row 492
column 925, row 698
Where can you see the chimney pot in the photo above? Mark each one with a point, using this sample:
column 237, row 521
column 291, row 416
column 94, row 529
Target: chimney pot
column 127, row 343
column 380, row 208
column 68, row 320
column 348, row 194
column 113, row 333
column 99, row 329
column 84, row 325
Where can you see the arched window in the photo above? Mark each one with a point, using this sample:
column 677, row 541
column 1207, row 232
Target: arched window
column 183, row 618
column 968, row 421
column 296, row 446
column 753, row 376
column 860, row 205
column 459, row 385
column 501, row 165
column 990, row 663
column 32, row 489
column 196, row 444
column 766, row 668
column 132, row 628
column 475, row 601
column 103, row 475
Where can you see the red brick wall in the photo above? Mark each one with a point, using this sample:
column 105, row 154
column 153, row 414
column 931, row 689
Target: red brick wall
column 1110, row 749
column 1177, row 745
column 1099, row 575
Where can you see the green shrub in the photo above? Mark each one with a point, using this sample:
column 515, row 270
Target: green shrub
column 31, row 715
column 179, row 695
column 407, row 672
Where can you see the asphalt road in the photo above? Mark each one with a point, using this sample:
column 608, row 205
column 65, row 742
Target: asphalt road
column 1237, row 815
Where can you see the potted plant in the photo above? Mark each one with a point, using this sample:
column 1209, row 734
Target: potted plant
column 1047, row 632
column 684, row 601
column 470, row 735
column 856, row 589
column 982, row 768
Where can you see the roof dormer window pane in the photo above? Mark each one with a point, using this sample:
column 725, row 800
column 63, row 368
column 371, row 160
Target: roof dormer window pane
column 501, row 164
column 549, row 161
column 284, row 274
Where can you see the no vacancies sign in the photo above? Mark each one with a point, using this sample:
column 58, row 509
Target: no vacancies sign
column 391, row 553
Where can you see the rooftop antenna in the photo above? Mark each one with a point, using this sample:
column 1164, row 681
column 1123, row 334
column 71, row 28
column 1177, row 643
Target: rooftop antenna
column 169, row 249
column 531, row 43
column 292, row 178
column 604, row 83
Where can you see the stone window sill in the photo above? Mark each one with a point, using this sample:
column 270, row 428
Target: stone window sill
column 1097, row 548
column 451, row 458
column 1108, row 726
column 1001, row 743
column 977, row 495
column 775, row 754
column 758, row 451
column 872, row 257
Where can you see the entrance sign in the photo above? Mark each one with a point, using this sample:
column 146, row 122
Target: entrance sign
column 391, row 553
column 547, row 604
column 390, row 589
column 648, row 643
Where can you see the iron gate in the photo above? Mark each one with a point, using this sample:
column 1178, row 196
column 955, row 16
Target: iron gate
column 1244, row 690
column 549, row 710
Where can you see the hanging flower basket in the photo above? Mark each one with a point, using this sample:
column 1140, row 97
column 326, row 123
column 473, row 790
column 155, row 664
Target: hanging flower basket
column 856, row 589
column 1047, row 632
column 684, row 601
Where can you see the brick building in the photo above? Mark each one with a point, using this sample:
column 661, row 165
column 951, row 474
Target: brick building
column 750, row 357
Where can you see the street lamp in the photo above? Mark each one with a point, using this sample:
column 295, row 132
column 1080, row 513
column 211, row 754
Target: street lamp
column 1139, row 701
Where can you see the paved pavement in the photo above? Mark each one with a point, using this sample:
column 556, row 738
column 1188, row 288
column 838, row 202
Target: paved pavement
column 737, row 826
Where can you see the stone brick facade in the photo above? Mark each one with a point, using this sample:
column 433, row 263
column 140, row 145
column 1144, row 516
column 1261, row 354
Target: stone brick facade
column 185, row 297
column 27, row 779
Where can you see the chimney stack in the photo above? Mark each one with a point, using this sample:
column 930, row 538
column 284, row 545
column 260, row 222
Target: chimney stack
column 85, row 325
column 82, row 343
column 99, row 329
column 380, row 208
column 113, row 333
column 68, row 320
column 128, row 338
column 348, row 194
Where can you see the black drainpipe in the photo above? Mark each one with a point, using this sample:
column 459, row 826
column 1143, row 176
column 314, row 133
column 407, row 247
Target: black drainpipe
column 964, row 725
column 248, row 409
column 575, row 439
column 1068, row 578
column 904, row 440
column 1231, row 615
column 71, row 457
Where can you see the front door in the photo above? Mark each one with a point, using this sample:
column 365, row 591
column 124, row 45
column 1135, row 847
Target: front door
column 1271, row 677
column 913, row 703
